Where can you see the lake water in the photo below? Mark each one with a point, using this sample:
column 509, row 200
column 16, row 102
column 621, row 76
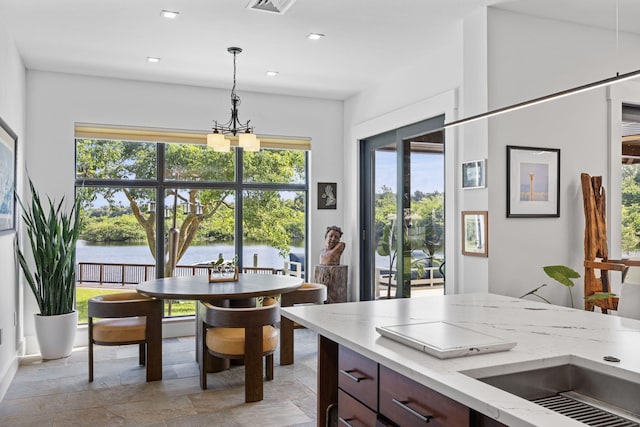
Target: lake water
column 140, row 254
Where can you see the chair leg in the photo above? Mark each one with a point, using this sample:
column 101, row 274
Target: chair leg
column 142, row 354
column 253, row 364
column 90, row 361
column 268, row 366
column 286, row 341
column 90, row 349
column 204, row 353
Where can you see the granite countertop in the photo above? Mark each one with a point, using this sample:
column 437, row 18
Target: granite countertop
column 545, row 335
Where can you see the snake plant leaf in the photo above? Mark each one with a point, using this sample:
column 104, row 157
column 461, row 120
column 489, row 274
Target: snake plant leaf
column 562, row 274
column 52, row 233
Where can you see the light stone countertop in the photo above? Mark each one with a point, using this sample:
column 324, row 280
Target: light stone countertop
column 545, row 335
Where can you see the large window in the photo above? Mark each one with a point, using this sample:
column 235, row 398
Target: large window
column 202, row 203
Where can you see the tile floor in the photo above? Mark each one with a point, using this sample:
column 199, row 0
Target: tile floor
column 56, row 393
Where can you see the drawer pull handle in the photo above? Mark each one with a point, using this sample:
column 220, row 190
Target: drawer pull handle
column 403, row 405
column 349, row 375
column 344, row 422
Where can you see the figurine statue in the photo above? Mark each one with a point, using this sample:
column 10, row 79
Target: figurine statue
column 333, row 247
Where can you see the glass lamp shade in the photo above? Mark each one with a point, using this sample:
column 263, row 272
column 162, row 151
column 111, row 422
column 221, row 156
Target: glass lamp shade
column 249, row 142
column 218, row 142
column 254, row 147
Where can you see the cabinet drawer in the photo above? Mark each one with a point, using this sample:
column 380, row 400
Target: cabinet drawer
column 358, row 376
column 407, row 403
column 353, row 413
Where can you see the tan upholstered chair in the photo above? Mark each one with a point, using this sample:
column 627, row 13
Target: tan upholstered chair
column 128, row 318
column 241, row 333
column 308, row 293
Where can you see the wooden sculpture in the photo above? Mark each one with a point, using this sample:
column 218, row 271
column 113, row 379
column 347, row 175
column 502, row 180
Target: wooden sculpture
column 596, row 256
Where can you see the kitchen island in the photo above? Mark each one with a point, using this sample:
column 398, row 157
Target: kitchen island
column 545, row 335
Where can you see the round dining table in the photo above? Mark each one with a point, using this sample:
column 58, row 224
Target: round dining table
column 199, row 288
column 241, row 293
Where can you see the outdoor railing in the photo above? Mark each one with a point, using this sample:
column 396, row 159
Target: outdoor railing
column 126, row 274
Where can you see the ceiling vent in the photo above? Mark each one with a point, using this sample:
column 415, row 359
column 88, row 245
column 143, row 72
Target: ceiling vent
column 273, row 6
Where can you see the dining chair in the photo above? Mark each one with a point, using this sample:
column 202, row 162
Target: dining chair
column 629, row 302
column 241, row 333
column 259, row 270
column 308, row 293
column 128, row 318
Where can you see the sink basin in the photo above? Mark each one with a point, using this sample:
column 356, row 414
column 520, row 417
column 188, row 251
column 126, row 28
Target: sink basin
column 583, row 390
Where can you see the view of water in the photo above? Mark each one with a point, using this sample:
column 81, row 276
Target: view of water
column 140, row 254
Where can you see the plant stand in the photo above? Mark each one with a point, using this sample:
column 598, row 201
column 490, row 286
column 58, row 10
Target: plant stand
column 335, row 277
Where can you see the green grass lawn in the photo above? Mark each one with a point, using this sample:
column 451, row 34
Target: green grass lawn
column 178, row 308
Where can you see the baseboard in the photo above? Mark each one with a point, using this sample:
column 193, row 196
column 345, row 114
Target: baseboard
column 8, row 375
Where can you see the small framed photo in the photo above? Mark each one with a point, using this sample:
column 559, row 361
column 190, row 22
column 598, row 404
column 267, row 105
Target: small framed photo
column 474, row 173
column 533, row 182
column 327, row 195
column 474, row 233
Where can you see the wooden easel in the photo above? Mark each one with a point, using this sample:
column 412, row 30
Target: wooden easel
column 596, row 255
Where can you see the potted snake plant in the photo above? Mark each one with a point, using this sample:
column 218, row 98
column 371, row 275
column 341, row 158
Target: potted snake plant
column 52, row 232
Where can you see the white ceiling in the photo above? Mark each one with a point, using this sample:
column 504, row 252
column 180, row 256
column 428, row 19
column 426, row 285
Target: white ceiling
column 365, row 39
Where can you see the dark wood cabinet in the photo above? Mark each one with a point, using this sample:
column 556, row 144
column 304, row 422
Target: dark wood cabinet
column 351, row 412
column 358, row 376
column 407, row 403
column 373, row 395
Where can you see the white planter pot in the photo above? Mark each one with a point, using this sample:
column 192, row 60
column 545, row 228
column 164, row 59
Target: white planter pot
column 56, row 334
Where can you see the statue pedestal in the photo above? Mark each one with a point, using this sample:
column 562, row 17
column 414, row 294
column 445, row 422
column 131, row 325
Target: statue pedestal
column 335, row 278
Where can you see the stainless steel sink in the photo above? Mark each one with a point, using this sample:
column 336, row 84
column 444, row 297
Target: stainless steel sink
column 586, row 394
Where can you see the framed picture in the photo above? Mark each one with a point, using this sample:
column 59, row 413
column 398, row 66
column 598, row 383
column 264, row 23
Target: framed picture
column 8, row 141
column 473, row 174
column 327, row 195
column 474, row 233
column 533, row 182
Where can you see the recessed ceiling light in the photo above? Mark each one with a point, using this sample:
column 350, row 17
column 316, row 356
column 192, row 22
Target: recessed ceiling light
column 272, row 73
column 169, row 14
column 315, row 36
column 153, row 59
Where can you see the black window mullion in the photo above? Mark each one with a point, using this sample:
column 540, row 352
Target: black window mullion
column 160, row 196
column 238, row 211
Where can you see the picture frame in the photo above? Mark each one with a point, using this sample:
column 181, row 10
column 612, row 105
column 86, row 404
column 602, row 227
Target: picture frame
column 327, row 195
column 8, row 147
column 533, row 182
column 474, row 174
column 475, row 226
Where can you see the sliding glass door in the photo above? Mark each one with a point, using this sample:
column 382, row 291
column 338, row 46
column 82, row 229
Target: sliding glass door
column 402, row 205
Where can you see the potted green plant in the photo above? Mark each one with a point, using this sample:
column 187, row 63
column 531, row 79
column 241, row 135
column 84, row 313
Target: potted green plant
column 53, row 233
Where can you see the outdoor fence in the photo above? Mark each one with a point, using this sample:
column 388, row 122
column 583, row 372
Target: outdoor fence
column 127, row 274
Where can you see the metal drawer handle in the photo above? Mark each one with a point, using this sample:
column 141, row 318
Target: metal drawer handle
column 349, row 375
column 403, row 405
column 342, row 421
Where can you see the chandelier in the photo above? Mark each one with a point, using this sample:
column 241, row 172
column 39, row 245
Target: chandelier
column 246, row 138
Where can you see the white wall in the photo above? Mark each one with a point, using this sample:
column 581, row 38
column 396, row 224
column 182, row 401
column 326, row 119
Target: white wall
column 56, row 101
column 12, row 105
column 531, row 57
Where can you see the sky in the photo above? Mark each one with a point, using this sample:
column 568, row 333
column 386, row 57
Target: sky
column 427, row 172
